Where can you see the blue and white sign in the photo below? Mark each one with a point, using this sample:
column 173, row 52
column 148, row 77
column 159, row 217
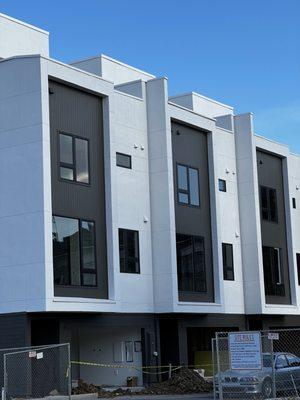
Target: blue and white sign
column 245, row 350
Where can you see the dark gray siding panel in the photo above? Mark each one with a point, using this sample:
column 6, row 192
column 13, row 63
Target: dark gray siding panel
column 273, row 234
column 190, row 148
column 77, row 112
column 14, row 331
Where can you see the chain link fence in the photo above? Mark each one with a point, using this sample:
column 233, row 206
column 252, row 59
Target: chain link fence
column 37, row 372
column 256, row 365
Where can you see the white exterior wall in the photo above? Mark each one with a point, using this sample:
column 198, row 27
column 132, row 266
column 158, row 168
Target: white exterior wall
column 228, row 218
column 249, row 214
column 18, row 38
column 23, row 207
column 101, row 349
column 112, row 70
column 162, row 197
column 202, row 105
column 132, row 199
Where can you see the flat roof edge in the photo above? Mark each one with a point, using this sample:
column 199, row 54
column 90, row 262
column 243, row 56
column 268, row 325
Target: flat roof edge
column 17, row 21
column 202, row 97
column 114, row 61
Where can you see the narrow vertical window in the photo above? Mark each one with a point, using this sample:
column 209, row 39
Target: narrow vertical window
column 82, row 160
column 88, row 250
column 194, row 186
column 222, row 185
column 228, row 269
column 273, row 273
column 129, row 251
column 268, row 201
column 188, row 185
column 294, row 202
column 191, row 263
column 73, row 158
column 66, row 157
column 74, row 254
column 298, row 266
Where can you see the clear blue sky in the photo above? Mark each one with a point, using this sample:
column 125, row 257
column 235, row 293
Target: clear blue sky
column 242, row 53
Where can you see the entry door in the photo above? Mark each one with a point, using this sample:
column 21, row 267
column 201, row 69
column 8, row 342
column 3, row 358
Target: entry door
column 149, row 358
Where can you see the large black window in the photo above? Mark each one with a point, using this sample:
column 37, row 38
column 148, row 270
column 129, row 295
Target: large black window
column 268, row 201
column 73, row 158
column 191, row 263
column 188, row 185
column 129, row 251
column 228, row 271
column 273, row 274
column 74, row 253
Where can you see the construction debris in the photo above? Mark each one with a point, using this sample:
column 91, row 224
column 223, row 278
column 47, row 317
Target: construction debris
column 84, row 388
column 185, row 381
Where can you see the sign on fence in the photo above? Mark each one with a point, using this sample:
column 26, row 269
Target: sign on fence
column 37, row 372
column 245, row 351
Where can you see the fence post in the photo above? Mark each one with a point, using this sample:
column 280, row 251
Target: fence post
column 170, row 371
column 4, row 378
column 220, row 389
column 213, row 341
column 70, row 372
column 273, row 369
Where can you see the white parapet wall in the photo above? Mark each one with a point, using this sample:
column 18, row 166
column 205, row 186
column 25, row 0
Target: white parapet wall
column 19, row 38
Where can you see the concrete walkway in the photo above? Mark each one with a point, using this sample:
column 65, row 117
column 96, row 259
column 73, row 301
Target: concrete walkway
column 204, row 396
column 94, row 396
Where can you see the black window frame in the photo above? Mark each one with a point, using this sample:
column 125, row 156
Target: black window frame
column 298, row 266
column 268, row 209
column 126, row 155
column 227, row 269
column 74, row 165
column 294, row 202
column 82, row 269
column 187, row 191
column 179, row 266
column 223, row 182
column 137, row 261
column 273, row 287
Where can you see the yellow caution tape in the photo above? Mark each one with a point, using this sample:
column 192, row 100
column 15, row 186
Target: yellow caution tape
column 170, row 368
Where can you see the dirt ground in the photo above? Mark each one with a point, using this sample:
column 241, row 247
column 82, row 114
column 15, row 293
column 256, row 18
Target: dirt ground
column 184, row 382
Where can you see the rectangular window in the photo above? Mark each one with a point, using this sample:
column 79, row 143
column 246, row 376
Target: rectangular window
column 294, row 202
column 298, row 267
column 228, row 271
column 273, row 274
column 74, row 253
column 73, row 158
column 129, row 251
column 268, row 201
column 123, row 160
column 191, row 263
column 188, row 185
column 222, row 185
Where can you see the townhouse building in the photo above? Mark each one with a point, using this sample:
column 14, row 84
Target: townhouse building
column 133, row 224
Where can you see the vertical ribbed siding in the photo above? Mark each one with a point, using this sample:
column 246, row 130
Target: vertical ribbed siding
column 79, row 113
